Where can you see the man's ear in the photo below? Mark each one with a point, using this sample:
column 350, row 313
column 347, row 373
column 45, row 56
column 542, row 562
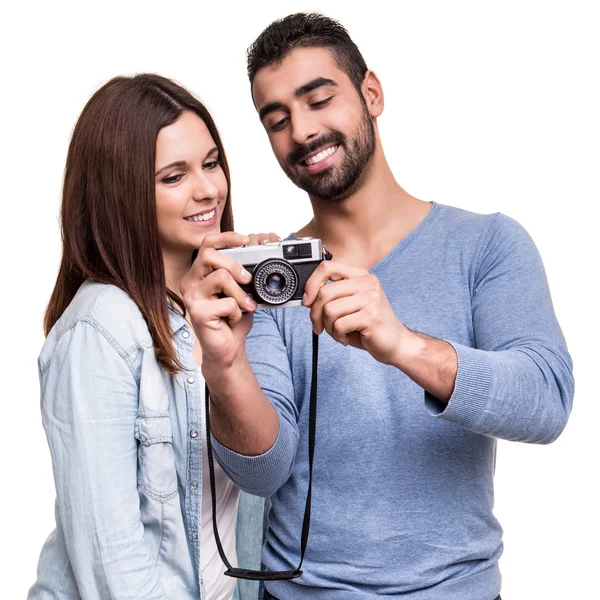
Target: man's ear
column 373, row 94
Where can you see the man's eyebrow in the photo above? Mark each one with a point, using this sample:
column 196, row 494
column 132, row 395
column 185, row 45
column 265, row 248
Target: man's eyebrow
column 298, row 93
column 312, row 85
column 269, row 108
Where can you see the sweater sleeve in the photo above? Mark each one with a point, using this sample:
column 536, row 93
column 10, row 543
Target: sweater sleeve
column 264, row 474
column 517, row 382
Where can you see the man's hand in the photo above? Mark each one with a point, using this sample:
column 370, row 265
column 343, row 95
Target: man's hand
column 353, row 310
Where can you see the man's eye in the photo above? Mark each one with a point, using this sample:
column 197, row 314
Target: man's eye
column 172, row 178
column 321, row 103
column 213, row 164
column 280, row 124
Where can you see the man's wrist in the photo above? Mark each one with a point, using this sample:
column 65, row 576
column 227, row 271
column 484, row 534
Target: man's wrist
column 410, row 346
column 429, row 362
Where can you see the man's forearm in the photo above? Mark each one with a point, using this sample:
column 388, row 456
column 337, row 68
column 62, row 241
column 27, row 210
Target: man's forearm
column 429, row 362
column 242, row 418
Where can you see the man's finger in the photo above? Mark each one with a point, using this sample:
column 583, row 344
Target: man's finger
column 324, row 316
column 347, row 329
column 328, row 270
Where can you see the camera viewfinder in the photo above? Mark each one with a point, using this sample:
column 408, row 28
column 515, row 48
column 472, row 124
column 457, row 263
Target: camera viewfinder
column 290, row 251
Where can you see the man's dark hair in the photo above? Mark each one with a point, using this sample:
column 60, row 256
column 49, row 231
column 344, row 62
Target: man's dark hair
column 306, row 30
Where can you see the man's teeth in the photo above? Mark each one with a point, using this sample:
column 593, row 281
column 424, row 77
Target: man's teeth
column 313, row 160
column 204, row 217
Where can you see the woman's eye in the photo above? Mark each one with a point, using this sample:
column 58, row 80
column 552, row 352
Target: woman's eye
column 172, row 178
column 213, row 164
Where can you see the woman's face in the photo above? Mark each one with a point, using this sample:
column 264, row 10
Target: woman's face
column 191, row 188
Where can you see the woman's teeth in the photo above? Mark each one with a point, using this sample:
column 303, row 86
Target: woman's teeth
column 313, row 160
column 204, row 217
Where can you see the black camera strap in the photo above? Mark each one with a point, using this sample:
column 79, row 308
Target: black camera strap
column 312, row 422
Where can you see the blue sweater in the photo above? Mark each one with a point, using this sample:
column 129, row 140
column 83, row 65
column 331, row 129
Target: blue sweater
column 402, row 488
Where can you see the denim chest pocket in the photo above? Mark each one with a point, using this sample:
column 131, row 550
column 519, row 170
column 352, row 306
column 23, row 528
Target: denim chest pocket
column 157, row 474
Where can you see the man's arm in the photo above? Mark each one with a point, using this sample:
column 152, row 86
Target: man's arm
column 429, row 362
column 355, row 311
column 516, row 384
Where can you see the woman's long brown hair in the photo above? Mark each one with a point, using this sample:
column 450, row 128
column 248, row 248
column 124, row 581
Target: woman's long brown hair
column 108, row 213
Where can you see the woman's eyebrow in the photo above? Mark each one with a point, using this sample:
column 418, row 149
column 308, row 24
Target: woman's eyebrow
column 177, row 163
column 183, row 163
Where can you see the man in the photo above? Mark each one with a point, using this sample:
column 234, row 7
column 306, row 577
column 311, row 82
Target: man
column 440, row 338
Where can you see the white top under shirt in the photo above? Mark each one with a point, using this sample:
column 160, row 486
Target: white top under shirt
column 217, row 586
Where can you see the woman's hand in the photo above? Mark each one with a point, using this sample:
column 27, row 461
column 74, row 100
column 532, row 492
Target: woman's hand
column 221, row 324
column 256, row 239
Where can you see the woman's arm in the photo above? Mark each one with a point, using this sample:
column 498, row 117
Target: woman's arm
column 89, row 408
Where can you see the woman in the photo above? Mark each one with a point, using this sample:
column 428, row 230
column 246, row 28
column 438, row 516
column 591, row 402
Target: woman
column 146, row 180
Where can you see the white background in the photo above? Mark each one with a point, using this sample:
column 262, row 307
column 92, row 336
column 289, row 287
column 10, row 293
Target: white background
column 489, row 107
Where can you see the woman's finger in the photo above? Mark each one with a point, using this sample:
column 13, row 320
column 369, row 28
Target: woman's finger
column 221, row 282
column 201, row 266
column 256, row 239
column 212, row 260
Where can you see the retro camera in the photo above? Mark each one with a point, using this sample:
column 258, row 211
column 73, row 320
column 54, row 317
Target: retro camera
column 279, row 270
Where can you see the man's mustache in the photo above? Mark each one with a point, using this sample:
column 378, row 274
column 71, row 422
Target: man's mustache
column 327, row 139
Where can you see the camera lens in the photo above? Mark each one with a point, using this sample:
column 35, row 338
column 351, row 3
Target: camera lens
column 275, row 281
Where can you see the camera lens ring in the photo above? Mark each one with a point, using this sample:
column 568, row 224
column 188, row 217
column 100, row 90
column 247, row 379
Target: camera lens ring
column 275, row 294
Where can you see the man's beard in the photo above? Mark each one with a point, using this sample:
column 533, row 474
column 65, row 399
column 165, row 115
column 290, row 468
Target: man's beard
column 337, row 182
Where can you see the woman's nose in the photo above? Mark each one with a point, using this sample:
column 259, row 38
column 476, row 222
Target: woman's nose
column 204, row 188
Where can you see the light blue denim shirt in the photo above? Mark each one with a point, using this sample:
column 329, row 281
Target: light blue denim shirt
column 126, row 442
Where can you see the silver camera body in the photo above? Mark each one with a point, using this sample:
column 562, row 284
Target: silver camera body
column 279, row 270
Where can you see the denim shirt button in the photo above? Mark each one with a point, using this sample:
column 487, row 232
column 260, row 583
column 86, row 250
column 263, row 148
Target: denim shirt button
column 195, row 535
column 193, row 433
column 191, row 380
column 143, row 438
column 185, row 334
column 194, row 485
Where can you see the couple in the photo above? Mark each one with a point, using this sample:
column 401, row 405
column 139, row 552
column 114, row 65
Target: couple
column 440, row 337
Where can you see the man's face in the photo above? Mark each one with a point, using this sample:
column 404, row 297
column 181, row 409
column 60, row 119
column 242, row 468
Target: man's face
column 319, row 126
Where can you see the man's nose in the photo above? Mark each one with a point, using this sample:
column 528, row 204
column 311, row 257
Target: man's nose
column 304, row 127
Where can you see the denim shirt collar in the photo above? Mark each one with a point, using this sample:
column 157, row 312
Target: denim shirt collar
column 181, row 328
